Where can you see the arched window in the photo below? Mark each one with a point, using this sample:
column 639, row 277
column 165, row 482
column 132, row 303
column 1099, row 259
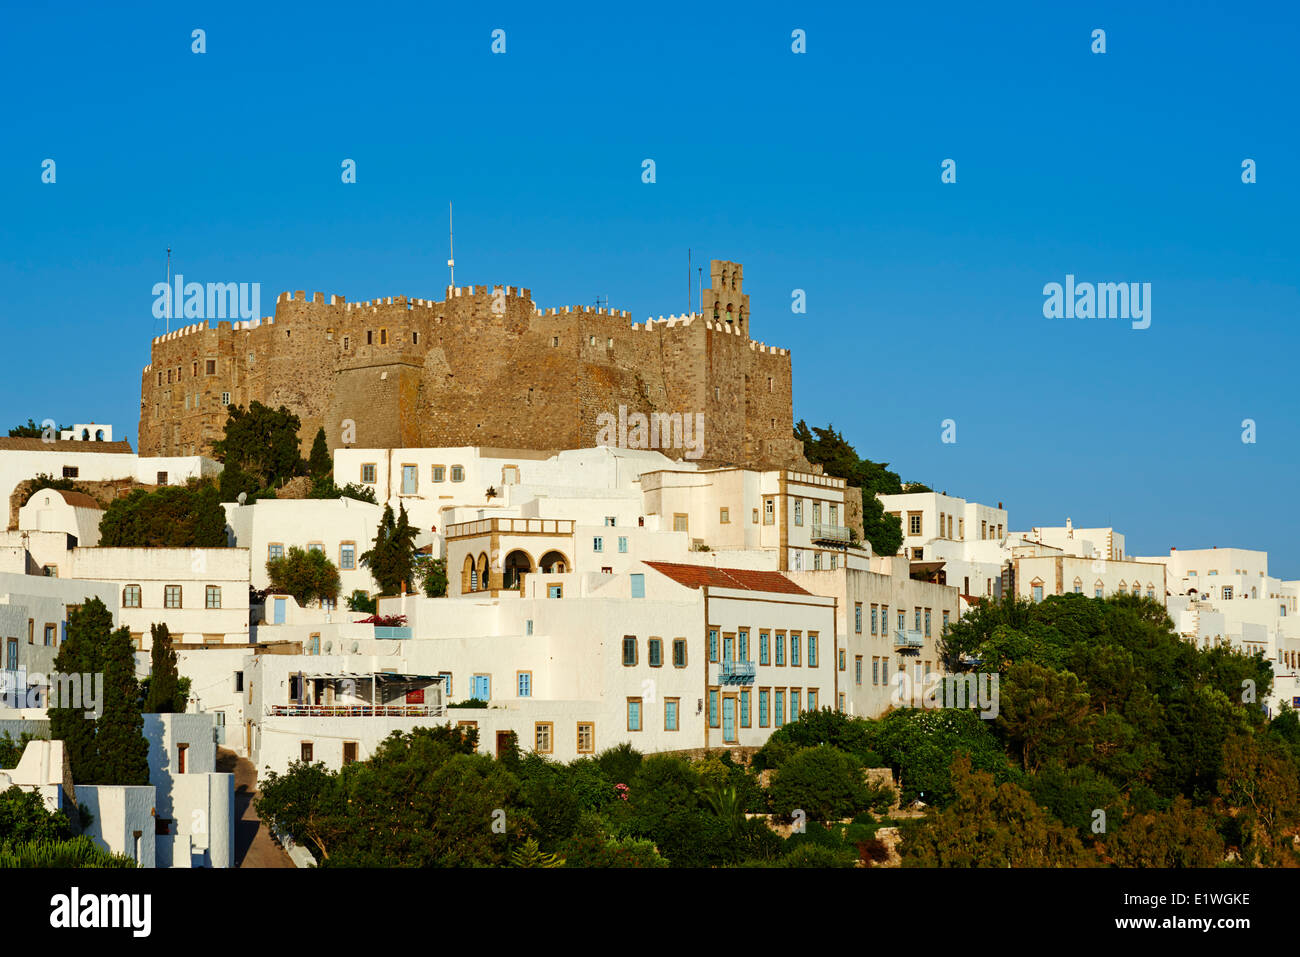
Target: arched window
column 554, row 562
column 483, row 580
column 469, row 576
column 517, row 564
column 99, row 435
column 85, row 435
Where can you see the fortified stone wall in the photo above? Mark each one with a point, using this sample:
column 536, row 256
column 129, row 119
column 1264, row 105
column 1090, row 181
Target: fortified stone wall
column 483, row 367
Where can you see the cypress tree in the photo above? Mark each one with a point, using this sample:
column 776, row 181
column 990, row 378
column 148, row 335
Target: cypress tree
column 120, row 744
column 319, row 465
column 164, row 681
column 80, row 654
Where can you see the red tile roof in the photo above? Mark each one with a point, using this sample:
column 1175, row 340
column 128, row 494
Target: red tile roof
column 694, row 576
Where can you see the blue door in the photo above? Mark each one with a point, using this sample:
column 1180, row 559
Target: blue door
column 409, row 473
column 728, row 718
column 279, row 611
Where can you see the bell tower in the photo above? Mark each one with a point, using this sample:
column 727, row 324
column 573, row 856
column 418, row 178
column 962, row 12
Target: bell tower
column 725, row 300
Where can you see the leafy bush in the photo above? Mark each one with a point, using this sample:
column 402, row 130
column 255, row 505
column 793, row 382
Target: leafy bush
column 823, row 781
column 76, row 852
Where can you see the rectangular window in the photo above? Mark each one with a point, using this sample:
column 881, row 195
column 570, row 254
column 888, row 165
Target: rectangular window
column 1038, row 593
column 542, row 734
column 71, row 471
column 927, row 623
column 812, row 699
column 670, row 713
column 873, row 619
column 842, row 659
column 638, row 585
column 316, row 547
column 524, row 679
column 368, row 473
column 458, row 473
column 622, row 544
column 713, row 644
column 714, row 720
column 812, row 650
column 795, row 641
column 210, row 366
column 728, row 647
column 655, row 652
column 49, row 636
column 347, row 556
column 629, row 650
column 780, row 648
column 724, row 516
column 795, row 706
column 554, row 591
column 914, row 524
column 305, row 751
column 274, row 550
column 857, row 670
column 679, row 652
column 586, row 737
column 798, row 511
column 680, row 522
column 764, row 707
column 742, row 646
column 213, row 596
column 884, row 671
column 131, row 596
column 764, row 648
column 597, row 544
column 349, row 752
column 779, row 717
column 769, row 511
column 172, row 596
column 744, row 707
column 634, row 714
column 857, row 617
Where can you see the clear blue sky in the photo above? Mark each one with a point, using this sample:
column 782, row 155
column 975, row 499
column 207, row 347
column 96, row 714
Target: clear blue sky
column 817, row 171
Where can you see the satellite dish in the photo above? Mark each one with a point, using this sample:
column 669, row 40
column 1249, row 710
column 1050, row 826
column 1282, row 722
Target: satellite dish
column 243, row 496
column 354, row 647
column 328, row 646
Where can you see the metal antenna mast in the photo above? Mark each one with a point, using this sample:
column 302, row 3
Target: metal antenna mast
column 451, row 246
column 169, row 289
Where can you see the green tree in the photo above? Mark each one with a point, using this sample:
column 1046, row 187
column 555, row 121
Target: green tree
column 433, row 577
column 33, row 431
column 391, row 558
column 261, row 442
column 988, row 825
column 319, row 464
column 306, row 574
column 1182, row 836
column 120, row 745
column 172, row 517
column 359, row 601
column 163, row 693
column 24, row 819
column 823, row 782
column 80, row 655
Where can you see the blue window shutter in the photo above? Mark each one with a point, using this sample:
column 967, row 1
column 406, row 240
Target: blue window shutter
column 638, row 586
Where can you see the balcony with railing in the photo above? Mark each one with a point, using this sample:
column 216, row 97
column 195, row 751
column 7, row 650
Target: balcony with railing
column 830, row 533
column 511, row 526
column 356, row 711
column 737, row 672
column 392, row 631
column 908, row 638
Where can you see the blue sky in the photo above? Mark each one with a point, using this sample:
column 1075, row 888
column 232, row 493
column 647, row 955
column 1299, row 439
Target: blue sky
column 818, row 171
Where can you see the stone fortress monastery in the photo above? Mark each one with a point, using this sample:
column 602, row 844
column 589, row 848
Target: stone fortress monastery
column 484, row 367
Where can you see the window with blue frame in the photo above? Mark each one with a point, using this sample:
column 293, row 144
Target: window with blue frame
column 744, row 707
column 763, row 712
column 622, row 544
column 780, row 707
column 794, row 704
column 713, row 644
column 873, row 619
column 857, row 618
column 655, row 652
column 634, row 714
column 629, row 650
column 713, row 708
column 597, row 544
column 638, row 586
column 525, row 684
column 812, row 651
column 764, row 648
column 780, row 648
column 794, row 649
column 528, row 627
column 743, row 646
column 670, row 714
column 554, row 591
column 728, row 648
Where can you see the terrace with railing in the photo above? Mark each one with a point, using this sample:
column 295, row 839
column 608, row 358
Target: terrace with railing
column 511, row 526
